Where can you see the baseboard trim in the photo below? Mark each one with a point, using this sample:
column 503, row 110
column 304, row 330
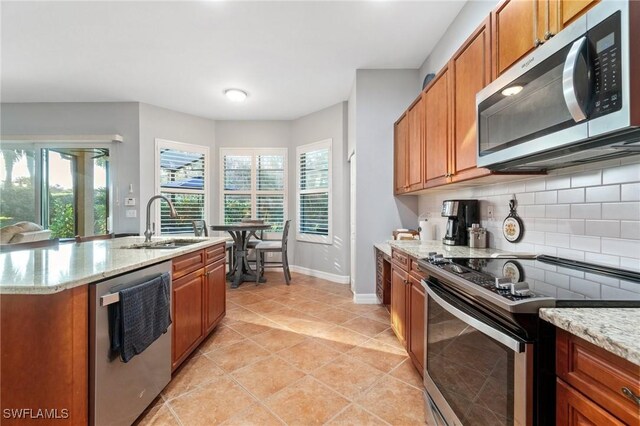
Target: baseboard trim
column 340, row 279
column 365, row 299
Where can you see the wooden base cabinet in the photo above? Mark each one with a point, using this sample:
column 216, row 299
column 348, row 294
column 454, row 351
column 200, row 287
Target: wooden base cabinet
column 198, row 302
column 594, row 387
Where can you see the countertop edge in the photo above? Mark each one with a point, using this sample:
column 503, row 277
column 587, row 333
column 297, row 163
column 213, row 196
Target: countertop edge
column 562, row 318
column 6, row 290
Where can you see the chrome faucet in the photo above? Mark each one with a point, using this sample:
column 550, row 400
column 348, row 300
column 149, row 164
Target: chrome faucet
column 172, row 213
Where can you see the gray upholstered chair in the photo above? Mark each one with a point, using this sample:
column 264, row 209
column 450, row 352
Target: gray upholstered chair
column 274, row 247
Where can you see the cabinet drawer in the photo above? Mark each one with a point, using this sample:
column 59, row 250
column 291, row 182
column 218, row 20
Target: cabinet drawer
column 186, row 263
column 599, row 375
column 415, row 269
column 573, row 408
column 214, row 253
column 401, row 259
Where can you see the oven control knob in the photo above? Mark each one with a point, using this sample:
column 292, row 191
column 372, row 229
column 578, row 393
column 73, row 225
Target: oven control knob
column 520, row 289
column 503, row 283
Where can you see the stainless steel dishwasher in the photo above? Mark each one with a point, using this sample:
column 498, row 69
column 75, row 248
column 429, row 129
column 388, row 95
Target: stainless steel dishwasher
column 119, row 392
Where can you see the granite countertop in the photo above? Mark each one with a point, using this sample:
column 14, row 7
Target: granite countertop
column 613, row 329
column 50, row 270
column 383, row 247
column 420, row 249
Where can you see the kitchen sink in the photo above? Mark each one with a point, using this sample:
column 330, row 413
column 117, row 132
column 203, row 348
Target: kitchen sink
column 163, row 245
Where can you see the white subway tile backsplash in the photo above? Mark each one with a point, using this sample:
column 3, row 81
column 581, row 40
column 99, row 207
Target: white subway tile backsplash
column 603, row 228
column 571, row 195
column 558, row 182
column 587, row 288
column 630, row 286
column 603, row 259
column 598, row 194
column 558, row 211
column 602, row 279
column 589, row 213
column 534, row 185
column 628, row 263
column 614, row 293
column 621, row 174
column 570, row 254
column 586, row 211
column 590, row 178
column 558, row 240
column 579, row 242
column 557, row 279
column 546, row 197
column 620, row 247
column 534, row 211
column 630, row 192
column 571, row 226
column 622, row 211
column 566, row 294
column 545, row 225
column 630, row 230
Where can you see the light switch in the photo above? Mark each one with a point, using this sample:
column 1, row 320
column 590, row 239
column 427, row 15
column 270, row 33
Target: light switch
column 132, row 213
column 129, row 201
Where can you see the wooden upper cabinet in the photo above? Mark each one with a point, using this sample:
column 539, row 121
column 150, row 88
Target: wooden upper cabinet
column 400, row 152
column 415, row 145
column 569, row 10
column 471, row 70
column 437, row 130
column 514, row 32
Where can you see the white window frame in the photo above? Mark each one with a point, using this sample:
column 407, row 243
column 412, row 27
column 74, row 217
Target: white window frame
column 187, row 147
column 254, row 153
column 312, row 238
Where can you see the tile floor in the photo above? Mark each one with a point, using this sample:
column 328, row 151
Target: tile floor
column 302, row 354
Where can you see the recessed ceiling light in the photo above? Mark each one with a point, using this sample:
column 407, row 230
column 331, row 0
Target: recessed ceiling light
column 235, row 95
column 513, row 90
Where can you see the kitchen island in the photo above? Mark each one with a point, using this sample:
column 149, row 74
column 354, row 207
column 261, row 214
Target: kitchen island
column 45, row 322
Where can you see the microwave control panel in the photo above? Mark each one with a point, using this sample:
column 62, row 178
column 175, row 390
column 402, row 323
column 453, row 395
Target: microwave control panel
column 607, row 66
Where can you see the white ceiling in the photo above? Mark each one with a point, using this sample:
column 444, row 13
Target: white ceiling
column 292, row 57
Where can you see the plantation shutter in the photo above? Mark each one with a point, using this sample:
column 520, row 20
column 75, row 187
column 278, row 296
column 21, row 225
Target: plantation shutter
column 182, row 180
column 314, row 193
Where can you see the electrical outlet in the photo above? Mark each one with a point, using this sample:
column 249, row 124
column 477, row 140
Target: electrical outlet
column 490, row 213
column 132, row 213
column 129, row 201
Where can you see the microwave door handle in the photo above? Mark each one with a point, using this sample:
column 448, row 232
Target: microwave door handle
column 568, row 81
column 485, row 329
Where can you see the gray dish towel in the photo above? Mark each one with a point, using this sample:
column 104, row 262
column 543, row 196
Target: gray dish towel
column 142, row 315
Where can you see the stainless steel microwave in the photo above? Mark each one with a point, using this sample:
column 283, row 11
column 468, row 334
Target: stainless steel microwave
column 573, row 100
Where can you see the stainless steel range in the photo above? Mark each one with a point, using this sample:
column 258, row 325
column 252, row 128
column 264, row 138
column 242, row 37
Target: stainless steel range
column 490, row 360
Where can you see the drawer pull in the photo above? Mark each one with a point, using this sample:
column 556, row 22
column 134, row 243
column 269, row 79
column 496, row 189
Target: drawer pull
column 632, row 396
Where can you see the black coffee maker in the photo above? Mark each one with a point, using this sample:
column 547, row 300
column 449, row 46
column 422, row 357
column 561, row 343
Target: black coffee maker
column 462, row 214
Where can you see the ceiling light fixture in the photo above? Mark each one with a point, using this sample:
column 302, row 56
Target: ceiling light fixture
column 513, row 90
column 235, row 95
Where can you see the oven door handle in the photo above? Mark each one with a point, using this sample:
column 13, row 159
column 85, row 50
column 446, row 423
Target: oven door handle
column 569, row 88
column 485, row 329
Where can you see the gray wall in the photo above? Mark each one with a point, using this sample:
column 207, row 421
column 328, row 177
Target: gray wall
column 161, row 123
column 86, row 119
column 381, row 96
column 329, row 123
column 471, row 15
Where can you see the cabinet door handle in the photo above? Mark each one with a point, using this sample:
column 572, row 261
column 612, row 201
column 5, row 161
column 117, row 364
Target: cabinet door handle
column 548, row 35
column 632, row 396
column 538, row 42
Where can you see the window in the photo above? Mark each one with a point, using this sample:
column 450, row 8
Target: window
column 314, row 192
column 63, row 187
column 254, row 185
column 182, row 176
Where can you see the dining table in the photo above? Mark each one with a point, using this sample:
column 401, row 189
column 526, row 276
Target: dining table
column 241, row 233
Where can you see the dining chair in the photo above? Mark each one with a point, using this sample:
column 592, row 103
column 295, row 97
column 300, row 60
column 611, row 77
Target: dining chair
column 254, row 236
column 279, row 246
column 85, row 239
column 49, row 243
